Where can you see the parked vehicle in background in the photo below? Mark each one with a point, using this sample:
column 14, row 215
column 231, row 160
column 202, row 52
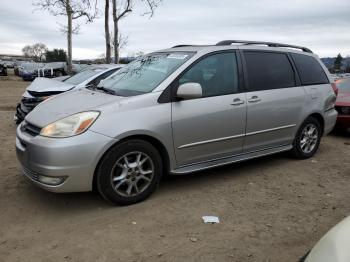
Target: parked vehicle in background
column 18, row 67
column 8, row 64
column 44, row 88
column 334, row 246
column 342, row 104
column 3, row 70
column 179, row 110
column 29, row 70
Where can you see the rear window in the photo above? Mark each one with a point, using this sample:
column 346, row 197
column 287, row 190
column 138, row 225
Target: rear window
column 267, row 70
column 310, row 70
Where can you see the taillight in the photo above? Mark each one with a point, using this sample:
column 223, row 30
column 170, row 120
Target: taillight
column 335, row 88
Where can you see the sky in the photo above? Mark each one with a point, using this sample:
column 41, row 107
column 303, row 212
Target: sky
column 322, row 25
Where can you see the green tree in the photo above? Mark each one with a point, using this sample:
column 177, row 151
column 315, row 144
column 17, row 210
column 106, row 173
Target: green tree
column 56, row 55
column 338, row 62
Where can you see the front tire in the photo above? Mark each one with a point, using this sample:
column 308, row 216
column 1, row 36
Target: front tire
column 129, row 173
column 307, row 139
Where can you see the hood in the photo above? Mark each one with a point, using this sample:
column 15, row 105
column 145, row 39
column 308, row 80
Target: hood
column 334, row 246
column 343, row 99
column 67, row 104
column 43, row 84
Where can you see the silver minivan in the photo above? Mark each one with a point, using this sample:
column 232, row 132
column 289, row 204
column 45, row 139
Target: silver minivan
column 177, row 111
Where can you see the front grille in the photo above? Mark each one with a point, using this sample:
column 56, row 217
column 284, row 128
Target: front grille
column 30, row 173
column 28, row 104
column 30, row 129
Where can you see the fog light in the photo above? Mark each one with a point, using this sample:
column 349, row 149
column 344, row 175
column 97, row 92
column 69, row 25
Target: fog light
column 52, row 181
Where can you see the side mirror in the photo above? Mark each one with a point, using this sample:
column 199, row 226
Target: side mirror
column 189, row 91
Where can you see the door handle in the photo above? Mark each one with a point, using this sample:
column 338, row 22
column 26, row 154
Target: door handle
column 237, row 102
column 254, row 99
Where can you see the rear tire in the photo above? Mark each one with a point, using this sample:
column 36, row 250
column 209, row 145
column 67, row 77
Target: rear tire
column 307, row 139
column 129, row 173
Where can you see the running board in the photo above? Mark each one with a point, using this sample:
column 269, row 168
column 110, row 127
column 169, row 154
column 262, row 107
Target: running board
column 229, row 160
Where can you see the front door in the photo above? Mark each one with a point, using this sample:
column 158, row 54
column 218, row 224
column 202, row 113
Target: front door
column 213, row 126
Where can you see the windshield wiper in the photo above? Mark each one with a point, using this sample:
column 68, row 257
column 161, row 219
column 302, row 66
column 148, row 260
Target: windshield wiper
column 106, row 90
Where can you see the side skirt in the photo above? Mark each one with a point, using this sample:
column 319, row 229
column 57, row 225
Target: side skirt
column 228, row 160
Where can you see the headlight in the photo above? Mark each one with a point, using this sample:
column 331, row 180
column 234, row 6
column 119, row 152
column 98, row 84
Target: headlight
column 71, row 125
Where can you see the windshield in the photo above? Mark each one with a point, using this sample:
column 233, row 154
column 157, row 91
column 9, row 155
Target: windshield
column 344, row 85
column 83, row 75
column 145, row 73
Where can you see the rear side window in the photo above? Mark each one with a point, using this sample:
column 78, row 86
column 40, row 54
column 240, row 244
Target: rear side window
column 310, row 70
column 268, row 70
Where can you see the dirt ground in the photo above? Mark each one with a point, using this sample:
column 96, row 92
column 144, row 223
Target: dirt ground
column 270, row 209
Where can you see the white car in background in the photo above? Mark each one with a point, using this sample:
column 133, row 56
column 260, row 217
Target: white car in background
column 333, row 247
column 43, row 88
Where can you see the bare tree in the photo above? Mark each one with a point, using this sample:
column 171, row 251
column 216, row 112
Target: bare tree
column 107, row 34
column 122, row 40
column 72, row 9
column 121, row 8
column 36, row 51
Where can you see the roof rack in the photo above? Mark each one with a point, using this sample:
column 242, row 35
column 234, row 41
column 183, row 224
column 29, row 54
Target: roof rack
column 181, row 46
column 230, row 42
column 189, row 45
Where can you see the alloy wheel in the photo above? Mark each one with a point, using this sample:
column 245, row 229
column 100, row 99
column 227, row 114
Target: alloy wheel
column 132, row 174
column 309, row 138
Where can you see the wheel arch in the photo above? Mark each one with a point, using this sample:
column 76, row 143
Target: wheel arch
column 150, row 139
column 320, row 118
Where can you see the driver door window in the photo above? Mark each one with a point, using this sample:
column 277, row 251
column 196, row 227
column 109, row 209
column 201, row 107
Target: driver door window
column 217, row 74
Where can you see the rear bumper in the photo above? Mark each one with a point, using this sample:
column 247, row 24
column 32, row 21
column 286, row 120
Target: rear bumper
column 330, row 118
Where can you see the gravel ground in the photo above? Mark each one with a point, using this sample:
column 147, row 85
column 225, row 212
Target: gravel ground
column 270, row 209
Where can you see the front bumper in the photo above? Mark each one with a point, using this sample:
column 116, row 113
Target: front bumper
column 28, row 77
column 74, row 159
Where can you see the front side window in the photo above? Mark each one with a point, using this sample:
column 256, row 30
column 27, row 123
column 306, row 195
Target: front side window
column 217, row 74
column 268, row 70
column 310, row 70
column 146, row 73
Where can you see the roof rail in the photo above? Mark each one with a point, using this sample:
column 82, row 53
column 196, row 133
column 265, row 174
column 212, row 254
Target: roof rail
column 181, row 46
column 271, row 44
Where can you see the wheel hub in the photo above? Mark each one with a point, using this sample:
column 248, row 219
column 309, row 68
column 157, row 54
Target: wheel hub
column 309, row 138
column 132, row 174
